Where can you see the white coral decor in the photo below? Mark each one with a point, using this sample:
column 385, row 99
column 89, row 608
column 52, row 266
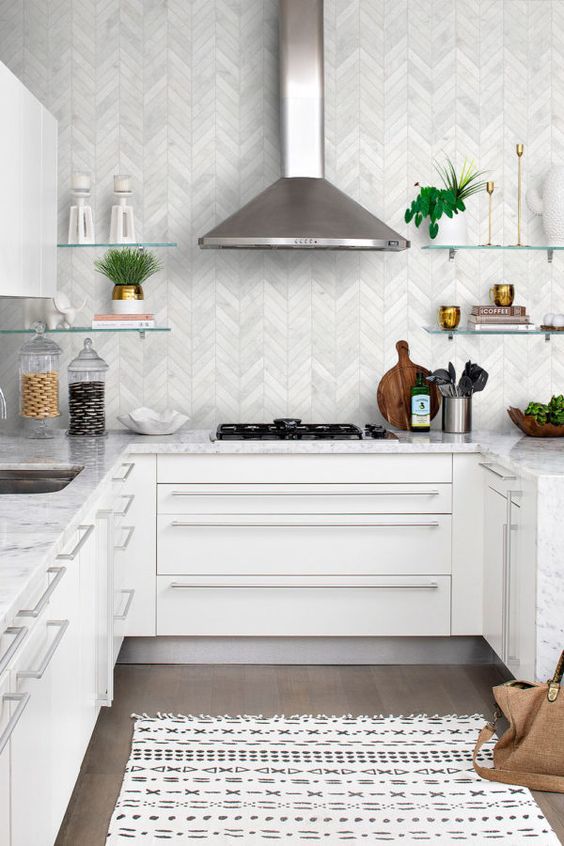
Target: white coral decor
column 550, row 205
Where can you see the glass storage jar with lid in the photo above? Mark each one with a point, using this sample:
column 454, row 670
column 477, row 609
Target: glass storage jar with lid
column 39, row 383
column 87, row 374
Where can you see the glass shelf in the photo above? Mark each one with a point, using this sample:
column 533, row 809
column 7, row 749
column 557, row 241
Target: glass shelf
column 85, row 330
column 140, row 244
column 453, row 248
column 450, row 333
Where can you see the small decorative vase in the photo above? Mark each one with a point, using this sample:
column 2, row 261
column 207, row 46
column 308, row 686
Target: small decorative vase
column 128, row 299
column 452, row 231
column 550, row 205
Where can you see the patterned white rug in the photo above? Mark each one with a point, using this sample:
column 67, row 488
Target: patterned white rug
column 407, row 780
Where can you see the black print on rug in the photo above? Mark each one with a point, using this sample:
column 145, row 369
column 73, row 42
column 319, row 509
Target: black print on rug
column 306, row 779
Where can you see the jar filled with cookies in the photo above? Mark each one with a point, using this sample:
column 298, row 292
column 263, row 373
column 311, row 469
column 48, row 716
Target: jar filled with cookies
column 86, row 376
column 39, row 383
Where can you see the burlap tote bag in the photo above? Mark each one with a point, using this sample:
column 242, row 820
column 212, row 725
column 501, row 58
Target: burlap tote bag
column 531, row 752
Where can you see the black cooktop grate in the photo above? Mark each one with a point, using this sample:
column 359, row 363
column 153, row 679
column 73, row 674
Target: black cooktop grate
column 286, row 429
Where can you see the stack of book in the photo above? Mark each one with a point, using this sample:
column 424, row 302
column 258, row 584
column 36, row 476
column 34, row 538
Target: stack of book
column 123, row 321
column 490, row 317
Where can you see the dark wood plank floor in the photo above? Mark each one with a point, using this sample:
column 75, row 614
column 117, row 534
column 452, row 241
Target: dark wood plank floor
column 267, row 690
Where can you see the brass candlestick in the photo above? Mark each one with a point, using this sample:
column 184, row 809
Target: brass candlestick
column 490, row 189
column 519, row 149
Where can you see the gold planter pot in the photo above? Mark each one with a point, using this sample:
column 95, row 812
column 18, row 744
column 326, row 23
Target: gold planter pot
column 128, row 292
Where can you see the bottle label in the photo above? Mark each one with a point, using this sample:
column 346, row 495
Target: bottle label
column 420, row 411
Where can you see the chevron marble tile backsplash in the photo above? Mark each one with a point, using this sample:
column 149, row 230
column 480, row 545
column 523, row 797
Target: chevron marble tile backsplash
column 182, row 94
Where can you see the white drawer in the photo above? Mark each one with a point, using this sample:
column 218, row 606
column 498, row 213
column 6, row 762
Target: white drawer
column 300, row 468
column 412, row 498
column 303, row 544
column 388, row 605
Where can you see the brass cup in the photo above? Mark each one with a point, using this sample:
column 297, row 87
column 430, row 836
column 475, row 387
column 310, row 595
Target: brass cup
column 502, row 294
column 448, row 317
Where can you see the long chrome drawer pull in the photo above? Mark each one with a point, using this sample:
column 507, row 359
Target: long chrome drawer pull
column 18, row 633
column 70, row 556
column 489, row 466
column 391, row 586
column 62, row 626
column 58, row 572
column 130, row 465
column 130, row 531
column 304, row 493
column 22, row 699
column 432, row 524
column 125, row 509
column 130, row 594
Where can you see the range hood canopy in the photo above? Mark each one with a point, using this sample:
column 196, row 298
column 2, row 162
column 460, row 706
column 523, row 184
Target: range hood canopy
column 302, row 210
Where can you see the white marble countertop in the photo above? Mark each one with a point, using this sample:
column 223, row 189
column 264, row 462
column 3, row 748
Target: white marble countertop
column 33, row 528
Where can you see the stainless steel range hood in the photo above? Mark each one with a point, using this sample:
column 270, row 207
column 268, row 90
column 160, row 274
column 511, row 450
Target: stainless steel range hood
column 302, row 210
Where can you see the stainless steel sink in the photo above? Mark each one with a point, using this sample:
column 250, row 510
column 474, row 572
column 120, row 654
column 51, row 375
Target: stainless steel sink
column 22, row 480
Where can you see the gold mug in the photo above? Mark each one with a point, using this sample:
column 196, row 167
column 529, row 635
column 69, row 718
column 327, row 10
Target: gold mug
column 502, row 294
column 448, row 317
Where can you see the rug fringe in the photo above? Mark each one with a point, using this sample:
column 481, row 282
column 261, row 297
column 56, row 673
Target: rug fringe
column 276, row 717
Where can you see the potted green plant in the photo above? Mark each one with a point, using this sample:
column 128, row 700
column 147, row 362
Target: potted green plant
column 128, row 268
column 447, row 203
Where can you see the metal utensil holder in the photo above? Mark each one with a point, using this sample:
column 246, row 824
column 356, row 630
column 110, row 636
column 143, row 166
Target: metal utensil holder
column 457, row 415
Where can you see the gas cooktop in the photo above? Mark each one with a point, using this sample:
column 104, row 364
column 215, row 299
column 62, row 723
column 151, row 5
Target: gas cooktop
column 292, row 429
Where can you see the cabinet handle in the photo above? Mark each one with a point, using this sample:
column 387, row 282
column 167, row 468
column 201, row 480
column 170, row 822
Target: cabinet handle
column 44, row 599
column 389, row 586
column 70, row 556
column 430, row 524
column 505, row 603
column 508, row 589
column 489, row 466
column 304, row 493
column 19, row 632
column 130, row 465
column 130, row 531
column 130, row 594
column 62, row 626
column 125, row 509
column 22, row 699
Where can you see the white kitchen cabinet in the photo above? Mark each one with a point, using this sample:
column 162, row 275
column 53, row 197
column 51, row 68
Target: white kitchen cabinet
column 34, row 754
column 296, row 544
column 304, row 545
column 135, row 545
column 495, row 545
column 57, row 667
column 28, row 192
column 326, row 607
column 298, row 468
column 5, row 813
column 510, row 569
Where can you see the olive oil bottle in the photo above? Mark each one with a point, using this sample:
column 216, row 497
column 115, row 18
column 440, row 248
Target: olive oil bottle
column 420, row 405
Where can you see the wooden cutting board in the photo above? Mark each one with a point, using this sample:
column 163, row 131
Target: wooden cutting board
column 394, row 390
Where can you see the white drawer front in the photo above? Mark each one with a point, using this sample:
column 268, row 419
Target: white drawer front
column 411, row 498
column 388, row 605
column 303, row 544
column 300, row 468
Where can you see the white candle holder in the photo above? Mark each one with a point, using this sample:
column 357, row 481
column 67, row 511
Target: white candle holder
column 122, row 225
column 81, row 219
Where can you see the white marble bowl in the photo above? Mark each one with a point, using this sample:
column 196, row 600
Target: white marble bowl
column 145, row 421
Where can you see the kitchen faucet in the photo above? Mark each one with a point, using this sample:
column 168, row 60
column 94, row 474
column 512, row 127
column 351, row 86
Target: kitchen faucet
column 3, row 408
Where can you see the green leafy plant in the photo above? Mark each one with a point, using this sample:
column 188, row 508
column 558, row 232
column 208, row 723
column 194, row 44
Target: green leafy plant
column 551, row 413
column 433, row 202
column 128, row 266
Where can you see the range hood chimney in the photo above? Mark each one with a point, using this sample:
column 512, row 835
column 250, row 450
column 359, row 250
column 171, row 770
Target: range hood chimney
column 302, row 210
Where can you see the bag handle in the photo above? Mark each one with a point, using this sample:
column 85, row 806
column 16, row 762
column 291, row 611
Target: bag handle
column 554, row 682
column 534, row 781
